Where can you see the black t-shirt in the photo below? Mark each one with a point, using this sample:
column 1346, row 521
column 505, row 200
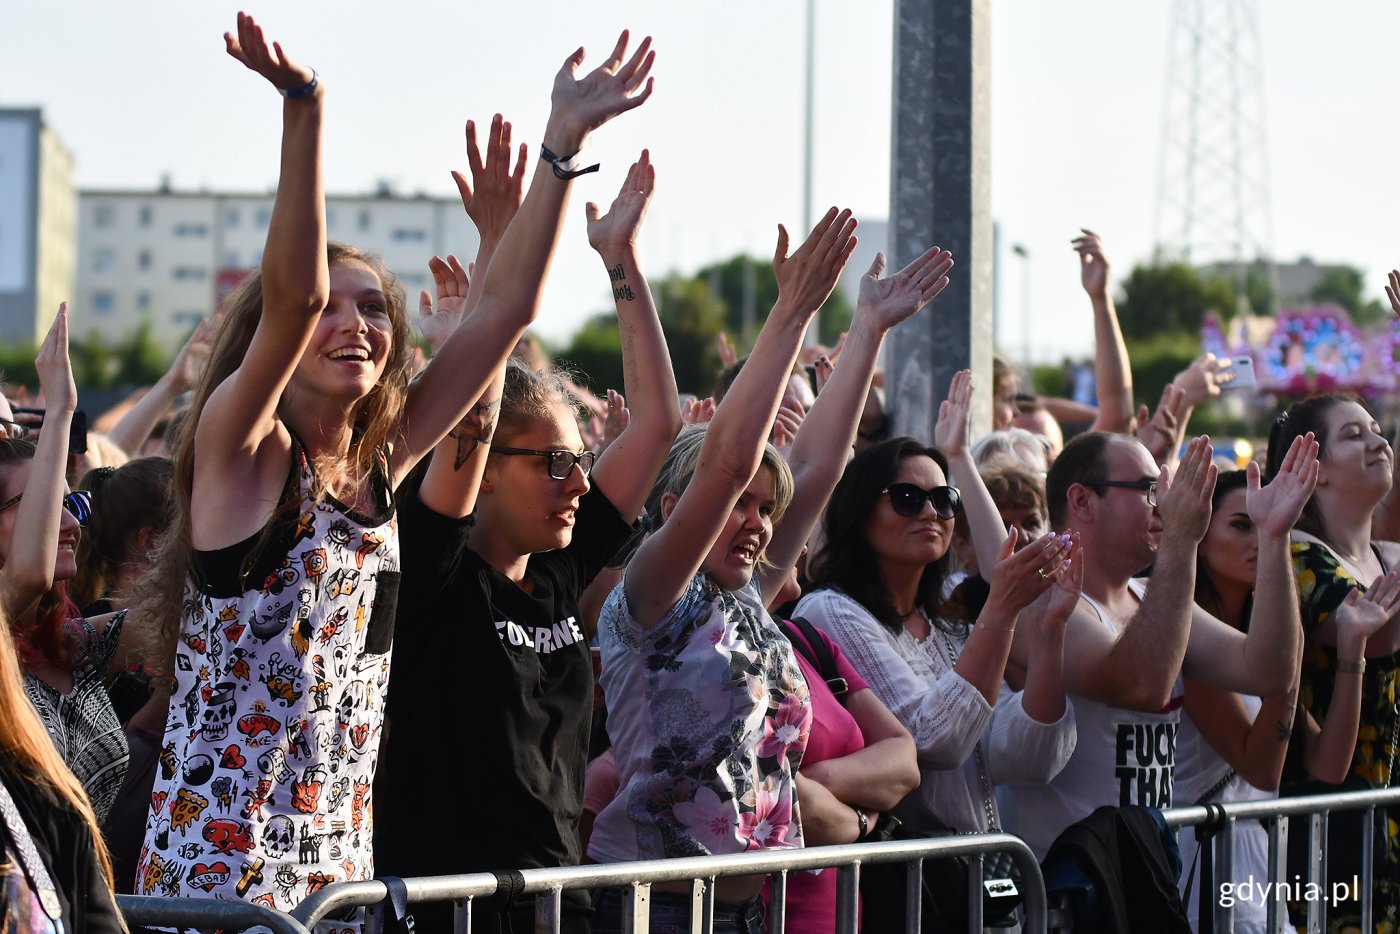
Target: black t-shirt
column 63, row 841
column 490, row 700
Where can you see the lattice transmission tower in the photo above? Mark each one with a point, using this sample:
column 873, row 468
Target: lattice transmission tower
column 1213, row 191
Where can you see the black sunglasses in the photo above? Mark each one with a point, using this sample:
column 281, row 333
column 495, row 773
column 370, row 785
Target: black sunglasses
column 1144, row 485
column 78, row 503
column 561, row 463
column 908, row 500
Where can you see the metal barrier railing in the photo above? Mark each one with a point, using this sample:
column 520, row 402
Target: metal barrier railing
column 547, row 885
column 205, row 914
column 1274, row 815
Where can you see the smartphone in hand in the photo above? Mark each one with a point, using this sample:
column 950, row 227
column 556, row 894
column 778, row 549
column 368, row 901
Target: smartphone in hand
column 1243, row 369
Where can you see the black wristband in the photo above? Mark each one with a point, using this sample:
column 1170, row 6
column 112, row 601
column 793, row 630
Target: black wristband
column 561, row 164
column 305, row 90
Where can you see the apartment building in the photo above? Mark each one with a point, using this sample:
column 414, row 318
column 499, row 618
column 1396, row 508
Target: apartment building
column 37, row 225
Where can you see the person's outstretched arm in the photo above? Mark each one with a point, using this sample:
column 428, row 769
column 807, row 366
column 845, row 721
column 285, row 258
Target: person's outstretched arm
column 131, row 432
column 950, row 436
column 239, row 417
column 733, row 447
column 510, row 294
column 491, row 199
column 629, row 466
column 1262, row 661
column 1113, row 376
column 29, row 569
column 823, row 443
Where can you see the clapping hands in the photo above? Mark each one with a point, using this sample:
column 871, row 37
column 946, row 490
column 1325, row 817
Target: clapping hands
column 806, row 278
column 452, row 282
column 1274, row 509
column 954, row 416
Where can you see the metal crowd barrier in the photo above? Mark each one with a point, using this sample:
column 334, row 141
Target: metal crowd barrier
column 1273, row 815
column 547, row 885
column 205, row 914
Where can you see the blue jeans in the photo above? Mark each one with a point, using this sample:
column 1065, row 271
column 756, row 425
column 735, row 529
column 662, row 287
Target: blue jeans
column 670, row 914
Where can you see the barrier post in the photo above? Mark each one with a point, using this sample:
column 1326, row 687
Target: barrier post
column 462, row 915
column 974, row 893
column 914, row 896
column 702, row 905
column 1368, row 865
column 847, row 898
column 1317, row 869
column 1224, row 869
column 549, row 909
column 777, row 907
column 1278, row 864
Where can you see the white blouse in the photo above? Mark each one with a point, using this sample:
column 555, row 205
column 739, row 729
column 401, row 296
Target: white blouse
column 946, row 715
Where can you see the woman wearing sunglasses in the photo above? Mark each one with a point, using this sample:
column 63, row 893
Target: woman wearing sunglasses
column 64, row 656
column 879, row 577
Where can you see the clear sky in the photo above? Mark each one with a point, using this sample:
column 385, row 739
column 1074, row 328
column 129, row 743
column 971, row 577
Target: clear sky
column 143, row 89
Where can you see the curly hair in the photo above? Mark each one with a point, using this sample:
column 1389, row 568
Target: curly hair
column 846, row 562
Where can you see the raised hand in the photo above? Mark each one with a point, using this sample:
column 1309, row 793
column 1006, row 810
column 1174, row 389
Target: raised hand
column 54, row 368
column 618, row 228
column 581, row 105
column 954, row 416
column 189, row 363
column 823, row 369
column 1204, row 378
column 806, row 278
column 494, row 192
column 1392, row 291
column 251, row 48
column 1275, row 509
column 1021, row 576
column 452, row 282
column 698, row 411
column 1184, row 500
column 1360, row 616
column 1158, row 433
column 786, row 426
column 1068, row 585
column 893, row 299
column 618, row 419
column 1093, row 264
column 728, row 355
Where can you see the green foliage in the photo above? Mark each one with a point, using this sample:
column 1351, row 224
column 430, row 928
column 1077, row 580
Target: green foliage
column 1259, row 291
column 1344, row 286
column 141, row 360
column 734, row 279
column 595, row 353
column 692, row 318
column 1171, row 298
column 136, row 360
column 1156, row 360
column 1050, row 380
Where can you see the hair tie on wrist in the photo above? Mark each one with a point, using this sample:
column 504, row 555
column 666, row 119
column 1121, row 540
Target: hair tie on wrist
column 565, row 166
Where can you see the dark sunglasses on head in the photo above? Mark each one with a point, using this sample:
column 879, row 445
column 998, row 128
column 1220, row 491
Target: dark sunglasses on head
column 78, row 503
column 908, row 500
column 13, row 430
column 561, row 463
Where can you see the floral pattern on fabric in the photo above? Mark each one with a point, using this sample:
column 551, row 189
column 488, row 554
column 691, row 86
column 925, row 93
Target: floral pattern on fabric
column 709, row 715
column 271, row 743
column 1323, row 583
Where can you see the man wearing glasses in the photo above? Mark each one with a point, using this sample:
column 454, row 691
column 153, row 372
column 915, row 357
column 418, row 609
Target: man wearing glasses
column 1130, row 640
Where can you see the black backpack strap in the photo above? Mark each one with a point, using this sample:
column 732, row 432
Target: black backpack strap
column 813, row 648
column 400, row 922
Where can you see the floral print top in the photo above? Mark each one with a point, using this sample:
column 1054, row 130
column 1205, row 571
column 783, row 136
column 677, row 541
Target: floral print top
column 1323, row 583
column 709, row 716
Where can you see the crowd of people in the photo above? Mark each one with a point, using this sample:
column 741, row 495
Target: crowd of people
column 338, row 616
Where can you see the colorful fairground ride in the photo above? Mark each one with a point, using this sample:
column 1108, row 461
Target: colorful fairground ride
column 1303, row 351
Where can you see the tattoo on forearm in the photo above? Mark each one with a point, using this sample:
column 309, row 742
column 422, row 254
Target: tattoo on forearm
column 475, row 429
column 1285, row 730
column 624, row 291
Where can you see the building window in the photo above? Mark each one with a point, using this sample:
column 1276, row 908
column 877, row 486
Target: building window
column 231, row 217
column 146, row 215
column 409, row 235
column 188, row 274
column 143, row 301
column 187, row 318
column 143, row 260
column 104, row 259
column 264, row 217
column 364, row 221
column 103, row 215
column 330, row 218
column 191, row 230
column 103, row 303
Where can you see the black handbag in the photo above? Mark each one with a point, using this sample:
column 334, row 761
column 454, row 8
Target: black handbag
column 884, row 886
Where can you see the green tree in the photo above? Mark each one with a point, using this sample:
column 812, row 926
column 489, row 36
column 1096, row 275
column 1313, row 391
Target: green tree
column 1345, row 285
column 94, row 363
column 1172, row 298
column 595, row 353
column 734, row 279
column 141, row 359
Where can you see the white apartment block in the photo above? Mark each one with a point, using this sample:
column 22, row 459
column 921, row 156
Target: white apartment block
column 171, row 256
column 37, row 206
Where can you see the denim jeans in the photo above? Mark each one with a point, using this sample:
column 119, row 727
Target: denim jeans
column 670, row 914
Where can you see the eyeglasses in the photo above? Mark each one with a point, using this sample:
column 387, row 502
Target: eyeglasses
column 908, row 500
column 561, row 463
column 78, row 503
column 1147, row 486
column 13, row 430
